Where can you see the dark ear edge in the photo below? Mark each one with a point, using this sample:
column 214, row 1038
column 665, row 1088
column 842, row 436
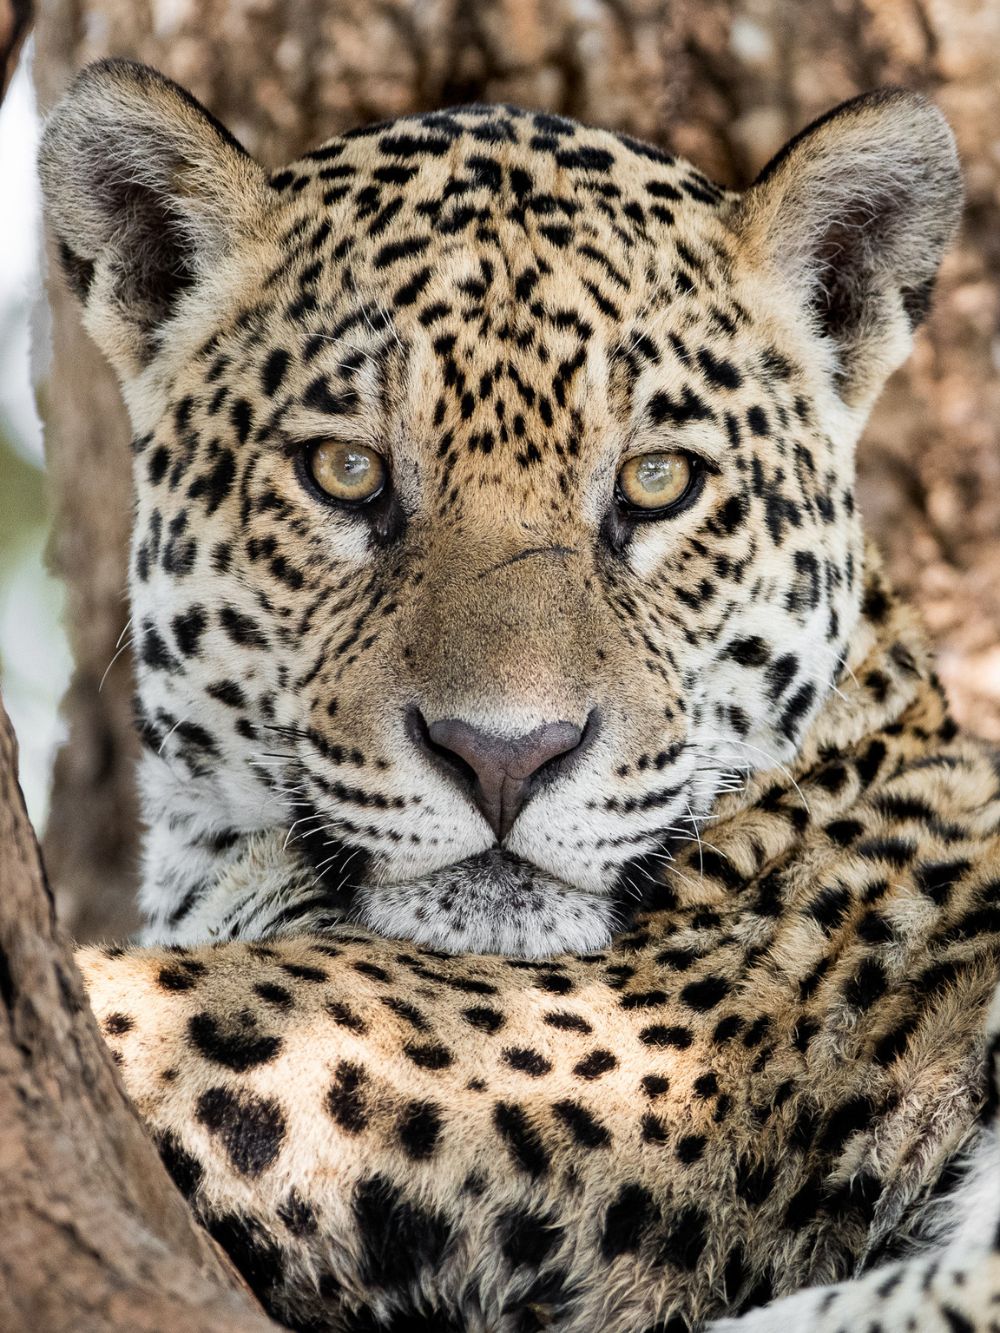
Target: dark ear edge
column 857, row 210
column 144, row 190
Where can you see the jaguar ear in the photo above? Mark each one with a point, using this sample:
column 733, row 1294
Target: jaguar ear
column 145, row 192
column 856, row 212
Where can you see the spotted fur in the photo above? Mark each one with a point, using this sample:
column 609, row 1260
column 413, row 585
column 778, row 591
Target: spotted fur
column 706, row 1024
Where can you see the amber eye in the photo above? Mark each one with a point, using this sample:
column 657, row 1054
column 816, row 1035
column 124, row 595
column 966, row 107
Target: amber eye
column 654, row 482
column 350, row 473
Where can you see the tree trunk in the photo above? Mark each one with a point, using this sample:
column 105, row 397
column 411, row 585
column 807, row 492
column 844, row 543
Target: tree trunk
column 15, row 21
column 93, row 1233
column 723, row 81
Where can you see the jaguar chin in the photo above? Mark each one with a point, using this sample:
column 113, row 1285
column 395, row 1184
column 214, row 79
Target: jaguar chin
column 491, row 903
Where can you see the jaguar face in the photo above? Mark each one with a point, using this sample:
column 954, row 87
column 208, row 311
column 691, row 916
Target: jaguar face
column 494, row 484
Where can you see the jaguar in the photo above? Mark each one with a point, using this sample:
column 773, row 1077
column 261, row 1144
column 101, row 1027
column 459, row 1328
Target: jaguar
column 569, row 903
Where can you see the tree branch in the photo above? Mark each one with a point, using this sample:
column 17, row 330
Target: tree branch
column 93, row 1232
column 15, row 21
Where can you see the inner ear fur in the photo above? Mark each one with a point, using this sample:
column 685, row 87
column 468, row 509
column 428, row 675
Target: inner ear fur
column 144, row 192
column 856, row 212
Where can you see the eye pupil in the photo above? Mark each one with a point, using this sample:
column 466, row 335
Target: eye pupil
column 355, row 465
column 657, row 473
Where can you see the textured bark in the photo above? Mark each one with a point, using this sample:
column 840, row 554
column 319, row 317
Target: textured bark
column 724, row 81
column 94, row 1236
column 15, row 22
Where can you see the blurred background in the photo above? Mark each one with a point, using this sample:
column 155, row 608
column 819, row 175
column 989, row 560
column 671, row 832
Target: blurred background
column 724, row 82
column 34, row 655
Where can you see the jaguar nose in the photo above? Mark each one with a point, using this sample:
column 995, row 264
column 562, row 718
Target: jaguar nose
column 497, row 771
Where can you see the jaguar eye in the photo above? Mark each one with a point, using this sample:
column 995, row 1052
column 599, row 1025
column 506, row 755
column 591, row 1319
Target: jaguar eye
column 650, row 483
column 349, row 473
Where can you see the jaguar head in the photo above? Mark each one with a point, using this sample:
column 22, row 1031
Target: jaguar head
column 494, row 480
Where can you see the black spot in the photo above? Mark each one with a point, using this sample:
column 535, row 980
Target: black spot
column 757, row 420
column 322, row 398
column 848, row 1118
column 428, row 1056
column 345, row 1099
column 484, row 1018
column 181, row 977
column 727, row 1028
column 554, row 984
column 844, row 831
column 274, row 995
column 238, row 1049
column 274, row 371
column 419, row 1129
column 706, row 993
column 586, row 1130
column 567, row 1022
column 892, row 1043
column 525, row 1238
column 241, row 415
column 251, row 1250
column 869, row 763
column 527, row 1061
column 399, row 1241
column 749, row 652
column 523, row 1142
column 718, row 371
column 372, row 970
column 796, row 709
column 186, row 1170
column 660, row 1035
column 829, row 907
column 116, row 1025
column 897, row 851
column 585, row 157
column 677, row 412
column 188, row 629
column 626, row 1221
column 227, row 692
column 409, row 1013
column 302, row 972
column 868, row 984
column 344, row 1016
column 243, row 630
column 648, row 999
column 936, row 879
column 706, row 1085
column 215, row 485
column 653, row 1129
column 690, row 1148
column 251, row 1128
column 595, row 1064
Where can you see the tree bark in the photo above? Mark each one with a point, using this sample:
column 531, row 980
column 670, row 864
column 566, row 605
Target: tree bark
column 723, row 81
column 93, row 1233
column 15, row 23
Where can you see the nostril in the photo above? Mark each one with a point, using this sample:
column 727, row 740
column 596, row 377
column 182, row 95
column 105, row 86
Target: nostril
column 419, row 731
column 559, row 764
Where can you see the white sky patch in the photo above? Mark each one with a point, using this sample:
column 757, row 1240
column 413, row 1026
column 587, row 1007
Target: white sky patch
column 20, row 233
column 34, row 657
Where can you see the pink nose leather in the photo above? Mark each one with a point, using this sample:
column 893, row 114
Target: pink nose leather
column 501, row 766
